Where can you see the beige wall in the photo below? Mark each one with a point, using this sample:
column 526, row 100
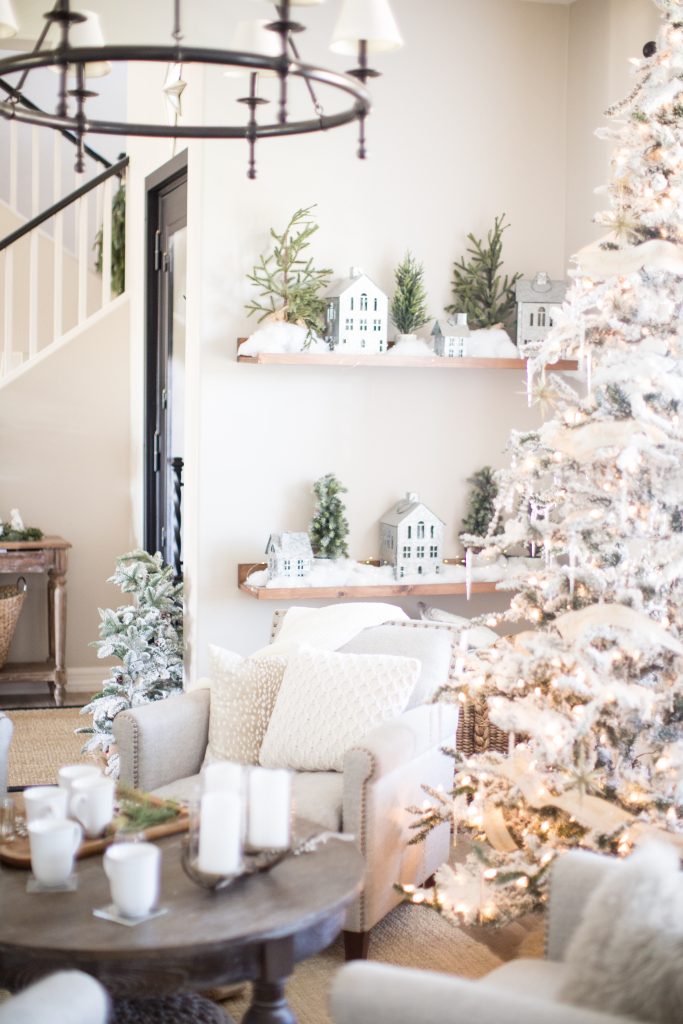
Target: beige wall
column 64, row 439
column 603, row 34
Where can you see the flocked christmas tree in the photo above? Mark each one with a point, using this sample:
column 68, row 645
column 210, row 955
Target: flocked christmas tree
column 592, row 698
column 329, row 528
column 147, row 637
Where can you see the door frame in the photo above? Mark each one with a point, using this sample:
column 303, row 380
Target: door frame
column 162, row 179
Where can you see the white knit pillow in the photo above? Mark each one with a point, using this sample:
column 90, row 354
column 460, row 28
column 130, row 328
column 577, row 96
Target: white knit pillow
column 243, row 693
column 626, row 955
column 329, row 701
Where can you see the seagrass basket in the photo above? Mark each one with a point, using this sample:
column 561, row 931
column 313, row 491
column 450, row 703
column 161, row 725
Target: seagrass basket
column 476, row 733
column 12, row 598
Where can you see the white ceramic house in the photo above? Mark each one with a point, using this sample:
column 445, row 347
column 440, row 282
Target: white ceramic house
column 357, row 315
column 289, row 554
column 411, row 538
column 537, row 302
column 451, row 337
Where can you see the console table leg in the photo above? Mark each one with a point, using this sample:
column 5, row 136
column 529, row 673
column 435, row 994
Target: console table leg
column 57, row 584
column 269, row 1005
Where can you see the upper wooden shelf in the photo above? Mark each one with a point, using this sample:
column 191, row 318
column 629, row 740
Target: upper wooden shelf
column 414, row 362
column 355, row 593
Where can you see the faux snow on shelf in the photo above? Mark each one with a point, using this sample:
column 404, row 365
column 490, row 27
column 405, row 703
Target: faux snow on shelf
column 344, row 572
column 491, row 343
column 412, row 347
column 279, row 336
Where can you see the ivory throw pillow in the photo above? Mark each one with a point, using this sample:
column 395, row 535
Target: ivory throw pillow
column 328, row 701
column 626, row 955
column 243, row 693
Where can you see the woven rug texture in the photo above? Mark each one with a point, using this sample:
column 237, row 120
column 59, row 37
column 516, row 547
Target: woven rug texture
column 43, row 741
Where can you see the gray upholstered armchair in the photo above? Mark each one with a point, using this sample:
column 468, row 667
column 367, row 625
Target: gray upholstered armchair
column 162, row 747
column 5, row 739
column 519, row 991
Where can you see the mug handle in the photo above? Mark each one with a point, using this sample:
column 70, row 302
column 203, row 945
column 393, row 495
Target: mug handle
column 78, row 835
column 76, row 803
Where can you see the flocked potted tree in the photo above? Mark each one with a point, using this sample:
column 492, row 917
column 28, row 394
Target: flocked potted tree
column 409, row 303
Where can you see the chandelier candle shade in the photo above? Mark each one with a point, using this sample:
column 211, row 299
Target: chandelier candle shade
column 363, row 27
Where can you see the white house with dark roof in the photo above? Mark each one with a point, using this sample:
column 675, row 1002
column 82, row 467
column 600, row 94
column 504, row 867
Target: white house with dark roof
column 537, row 303
column 289, row 554
column 411, row 538
column 357, row 315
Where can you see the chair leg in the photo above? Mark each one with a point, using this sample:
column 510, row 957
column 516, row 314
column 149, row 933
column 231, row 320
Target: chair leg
column 356, row 945
column 430, row 882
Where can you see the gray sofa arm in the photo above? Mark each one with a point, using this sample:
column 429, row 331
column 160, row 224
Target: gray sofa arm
column 69, row 997
column 161, row 742
column 573, row 880
column 383, row 776
column 5, row 740
column 369, row 993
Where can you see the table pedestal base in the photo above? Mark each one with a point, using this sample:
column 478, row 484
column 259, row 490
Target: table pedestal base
column 183, row 1008
column 269, row 1005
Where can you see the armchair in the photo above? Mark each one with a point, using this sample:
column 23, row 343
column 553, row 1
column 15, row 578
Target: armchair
column 5, row 739
column 162, row 746
column 69, row 997
column 518, row 991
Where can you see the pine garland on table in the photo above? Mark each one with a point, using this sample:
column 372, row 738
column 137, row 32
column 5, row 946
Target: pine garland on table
column 478, row 288
column 147, row 637
column 592, row 697
column 329, row 528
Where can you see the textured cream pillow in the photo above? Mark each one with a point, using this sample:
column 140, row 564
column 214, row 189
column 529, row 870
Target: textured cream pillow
column 329, row 701
column 626, row 955
column 243, row 693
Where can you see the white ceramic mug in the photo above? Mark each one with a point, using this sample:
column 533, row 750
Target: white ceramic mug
column 53, row 843
column 92, row 803
column 70, row 772
column 133, row 871
column 45, row 802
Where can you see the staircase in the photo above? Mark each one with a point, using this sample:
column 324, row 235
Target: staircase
column 50, row 287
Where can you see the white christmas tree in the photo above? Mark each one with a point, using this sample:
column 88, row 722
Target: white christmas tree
column 147, row 638
column 592, row 697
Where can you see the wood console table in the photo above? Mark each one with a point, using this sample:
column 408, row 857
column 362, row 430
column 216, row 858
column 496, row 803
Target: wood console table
column 48, row 555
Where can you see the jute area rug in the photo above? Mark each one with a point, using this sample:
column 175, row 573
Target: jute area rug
column 42, row 742
column 408, row 937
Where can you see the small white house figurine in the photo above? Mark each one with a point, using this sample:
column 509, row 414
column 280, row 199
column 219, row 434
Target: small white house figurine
column 411, row 538
column 537, row 302
column 451, row 336
column 289, row 554
column 357, row 315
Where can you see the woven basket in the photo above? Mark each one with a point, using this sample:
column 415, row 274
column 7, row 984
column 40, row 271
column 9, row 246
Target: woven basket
column 12, row 598
column 475, row 732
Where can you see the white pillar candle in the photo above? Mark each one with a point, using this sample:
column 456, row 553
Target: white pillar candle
column 222, row 776
column 270, row 800
column 220, row 834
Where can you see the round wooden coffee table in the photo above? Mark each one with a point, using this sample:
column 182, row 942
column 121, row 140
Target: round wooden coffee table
column 255, row 930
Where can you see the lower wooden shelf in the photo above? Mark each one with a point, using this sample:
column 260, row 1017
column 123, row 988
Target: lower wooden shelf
column 355, row 593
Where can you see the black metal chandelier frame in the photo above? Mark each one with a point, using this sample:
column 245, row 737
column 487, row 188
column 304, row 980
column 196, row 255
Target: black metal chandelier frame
column 65, row 57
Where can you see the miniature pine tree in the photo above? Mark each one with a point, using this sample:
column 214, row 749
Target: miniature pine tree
column 118, row 243
column 481, row 503
column 478, row 288
column 147, row 637
column 289, row 284
column 409, row 303
column 592, row 697
column 329, row 527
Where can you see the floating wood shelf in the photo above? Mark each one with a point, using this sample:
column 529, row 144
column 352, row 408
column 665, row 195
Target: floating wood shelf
column 413, row 362
column 355, row 593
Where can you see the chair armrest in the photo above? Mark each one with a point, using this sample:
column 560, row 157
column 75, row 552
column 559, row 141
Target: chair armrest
column 164, row 741
column 69, row 997
column 369, row 993
column 391, row 745
column 384, row 775
column 573, row 880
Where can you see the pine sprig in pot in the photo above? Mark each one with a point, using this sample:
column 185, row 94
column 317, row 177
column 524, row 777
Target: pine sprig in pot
column 409, row 303
column 289, row 284
column 478, row 287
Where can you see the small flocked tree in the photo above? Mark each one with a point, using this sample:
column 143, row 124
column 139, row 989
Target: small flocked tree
column 479, row 288
column 329, row 528
column 289, row 284
column 147, row 637
column 409, row 303
column 591, row 696
column 481, row 503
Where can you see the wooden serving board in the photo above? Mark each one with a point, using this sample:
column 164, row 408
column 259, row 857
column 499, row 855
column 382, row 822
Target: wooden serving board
column 17, row 854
